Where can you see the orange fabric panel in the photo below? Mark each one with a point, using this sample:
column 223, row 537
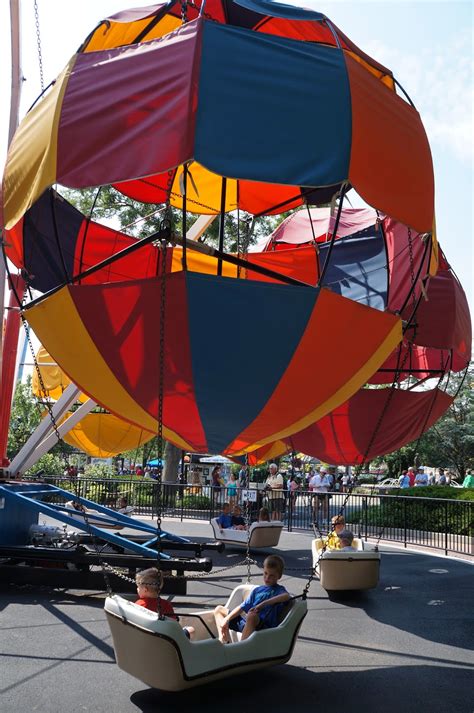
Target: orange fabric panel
column 392, row 170
column 262, row 198
column 118, row 34
column 300, row 399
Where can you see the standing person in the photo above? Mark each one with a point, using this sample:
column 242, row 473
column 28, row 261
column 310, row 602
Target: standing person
column 468, row 481
column 243, row 477
column 216, row 482
column 274, row 488
column 441, row 477
column 411, row 476
column 319, row 485
column 345, row 482
column 404, row 480
column 421, row 478
column 232, row 490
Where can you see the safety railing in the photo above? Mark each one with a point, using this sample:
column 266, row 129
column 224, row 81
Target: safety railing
column 443, row 524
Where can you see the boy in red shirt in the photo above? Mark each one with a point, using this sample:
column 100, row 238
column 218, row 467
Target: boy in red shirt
column 149, row 585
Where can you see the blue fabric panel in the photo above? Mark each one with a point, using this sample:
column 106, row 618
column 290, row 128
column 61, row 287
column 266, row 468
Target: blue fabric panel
column 272, row 109
column 277, row 9
column 235, row 315
column 358, row 268
column 51, row 220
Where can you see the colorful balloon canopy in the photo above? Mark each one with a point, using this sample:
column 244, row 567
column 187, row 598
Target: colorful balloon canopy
column 146, row 96
column 249, row 105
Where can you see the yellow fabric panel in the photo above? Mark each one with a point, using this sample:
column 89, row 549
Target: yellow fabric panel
column 350, row 387
column 204, row 190
column 384, row 78
column 31, row 162
column 434, row 260
column 54, row 379
column 103, row 435
column 124, row 33
column 59, row 309
column 197, row 262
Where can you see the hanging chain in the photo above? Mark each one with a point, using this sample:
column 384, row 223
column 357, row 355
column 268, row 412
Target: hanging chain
column 184, row 11
column 161, row 376
column 38, row 43
column 61, row 444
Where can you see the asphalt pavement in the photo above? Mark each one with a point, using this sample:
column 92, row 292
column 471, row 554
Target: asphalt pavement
column 405, row 646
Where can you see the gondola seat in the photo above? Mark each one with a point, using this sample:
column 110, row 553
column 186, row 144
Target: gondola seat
column 262, row 534
column 158, row 653
column 339, row 571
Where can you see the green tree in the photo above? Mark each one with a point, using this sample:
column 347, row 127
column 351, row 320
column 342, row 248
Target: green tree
column 25, row 416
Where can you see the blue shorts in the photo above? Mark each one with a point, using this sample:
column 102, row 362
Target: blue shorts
column 238, row 624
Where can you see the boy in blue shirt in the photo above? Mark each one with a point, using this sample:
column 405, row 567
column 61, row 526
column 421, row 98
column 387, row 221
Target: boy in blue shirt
column 225, row 518
column 261, row 608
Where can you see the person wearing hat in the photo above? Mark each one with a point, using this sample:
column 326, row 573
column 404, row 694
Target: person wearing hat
column 346, row 538
column 421, row 478
column 319, row 485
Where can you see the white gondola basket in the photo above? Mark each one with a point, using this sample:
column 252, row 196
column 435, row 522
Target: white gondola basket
column 339, row 571
column 261, row 534
column 158, row 652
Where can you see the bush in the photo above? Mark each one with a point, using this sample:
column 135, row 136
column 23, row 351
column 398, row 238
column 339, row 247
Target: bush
column 197, row 502
column 433, row 515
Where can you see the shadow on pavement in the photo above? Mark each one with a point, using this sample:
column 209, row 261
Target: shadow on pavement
column 288, row 689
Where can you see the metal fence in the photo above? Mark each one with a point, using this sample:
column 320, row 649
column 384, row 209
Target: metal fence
column 428, row 522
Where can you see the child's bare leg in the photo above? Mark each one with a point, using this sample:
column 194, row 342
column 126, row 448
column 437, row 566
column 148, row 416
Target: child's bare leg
column 220, row 614
column 251, row 623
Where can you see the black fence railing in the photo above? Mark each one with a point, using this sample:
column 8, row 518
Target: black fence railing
column 428, row 522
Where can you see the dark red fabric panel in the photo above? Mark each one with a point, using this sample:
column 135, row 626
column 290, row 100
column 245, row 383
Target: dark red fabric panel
column 403, row 262
column 443, row 319
column 344, row 436
column 108, row 128
column 118, row 317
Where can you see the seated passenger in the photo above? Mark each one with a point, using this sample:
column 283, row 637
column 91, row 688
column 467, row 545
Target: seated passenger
column 149, row 584
column 238, row 522
column 332, row 541
column 225, row 518
column 261, row 608
column 264, row 515
column 346, row 538
column 123, row 506
column 76, row 505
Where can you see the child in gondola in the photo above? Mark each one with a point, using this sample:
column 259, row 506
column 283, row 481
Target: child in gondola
column 225, row 518
column 238, row 522
column 262, row 607
column 149, row 585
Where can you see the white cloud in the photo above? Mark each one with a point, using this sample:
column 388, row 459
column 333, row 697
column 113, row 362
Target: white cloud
column 439, row 80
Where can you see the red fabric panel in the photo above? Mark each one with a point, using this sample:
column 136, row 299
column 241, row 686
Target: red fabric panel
column 344, row 435
column 391, row 164
column 113, row 130
column 152, row 189
column 302, row 264
column 116, row 318
column 397, row 239
column 14, row 244
column 98, row 242
column 443, row 320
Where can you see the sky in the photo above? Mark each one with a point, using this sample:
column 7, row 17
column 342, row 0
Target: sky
column 428, row 45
